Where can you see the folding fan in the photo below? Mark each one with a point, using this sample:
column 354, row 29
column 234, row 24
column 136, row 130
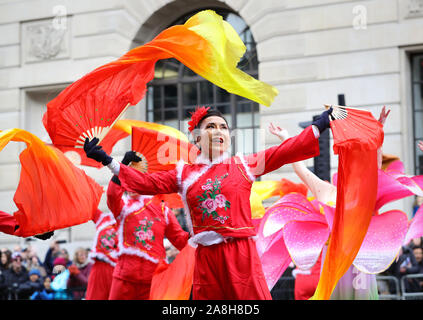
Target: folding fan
column 78, row 157
column 159, row 151
column 89, row 108
column 354, row 126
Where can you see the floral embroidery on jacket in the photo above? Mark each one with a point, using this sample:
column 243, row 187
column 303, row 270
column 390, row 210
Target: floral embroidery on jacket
column 108, row 240
column 143, row 232
column 212, row 198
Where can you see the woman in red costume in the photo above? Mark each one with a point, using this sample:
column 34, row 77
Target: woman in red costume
column 104, row 254
column 143, row 225
column 216, row 190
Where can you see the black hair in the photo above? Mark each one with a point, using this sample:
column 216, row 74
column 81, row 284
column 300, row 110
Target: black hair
column 211, row 112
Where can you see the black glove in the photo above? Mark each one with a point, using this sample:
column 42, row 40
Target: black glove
column 322, row 123
column 44, row 236
column 130, row 156
column 93, row 151
column 116, row 180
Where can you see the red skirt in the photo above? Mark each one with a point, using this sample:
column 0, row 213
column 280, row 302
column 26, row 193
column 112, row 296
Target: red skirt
column 128, row 290
column 229, row 271
column 132, row 278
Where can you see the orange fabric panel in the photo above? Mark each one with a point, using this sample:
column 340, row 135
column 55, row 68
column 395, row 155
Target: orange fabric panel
column 52, row 193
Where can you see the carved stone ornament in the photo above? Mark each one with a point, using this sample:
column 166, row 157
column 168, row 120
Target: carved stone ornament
column 415, row 8
column 44, row 40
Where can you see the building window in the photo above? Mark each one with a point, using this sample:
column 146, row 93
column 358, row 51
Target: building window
column 417, row 91
column 176, row 91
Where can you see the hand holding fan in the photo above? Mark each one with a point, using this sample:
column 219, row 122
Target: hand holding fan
column 354, row 126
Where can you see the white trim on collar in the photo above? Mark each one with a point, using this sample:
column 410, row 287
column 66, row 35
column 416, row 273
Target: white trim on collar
column 203, row 160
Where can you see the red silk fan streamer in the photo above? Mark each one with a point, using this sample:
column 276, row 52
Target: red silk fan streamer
column 174, row 281
column 52, row 193
column 172, row 200
column 356, row 140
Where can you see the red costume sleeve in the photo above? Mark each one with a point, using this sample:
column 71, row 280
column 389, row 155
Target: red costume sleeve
column 161, row 182
column 300, row 147
column 174, row 232
column 114, row 198
column 8, row 223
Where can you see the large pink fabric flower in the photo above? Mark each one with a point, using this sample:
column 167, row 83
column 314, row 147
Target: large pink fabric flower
column 141, row 235
column 108, row 242
column 220, row 200
column 209, row 204
column 296, row 229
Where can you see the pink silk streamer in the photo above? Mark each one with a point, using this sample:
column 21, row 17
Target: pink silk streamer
column 294, row 206
column 394, row 184
column 275, row 259
column 385, row 235
column 304, row 241
column 415, row 227
column 271, row 248
column 383, row 240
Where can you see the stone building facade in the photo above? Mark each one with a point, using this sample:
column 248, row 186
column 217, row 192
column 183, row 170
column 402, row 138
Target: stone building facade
column 311, row 50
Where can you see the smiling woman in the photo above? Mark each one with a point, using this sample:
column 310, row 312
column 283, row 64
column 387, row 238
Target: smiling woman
column 211, row 133
column 216, row 191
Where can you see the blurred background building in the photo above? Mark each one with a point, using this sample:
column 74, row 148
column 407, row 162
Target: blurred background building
column 362, row 53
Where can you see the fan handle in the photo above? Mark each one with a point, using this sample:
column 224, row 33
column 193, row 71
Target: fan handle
column 98, row 132
column 117, row 118
column 327, row 106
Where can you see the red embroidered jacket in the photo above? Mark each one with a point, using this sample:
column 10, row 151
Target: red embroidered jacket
column 105, row 247
column 143, row 225
column 217, row 193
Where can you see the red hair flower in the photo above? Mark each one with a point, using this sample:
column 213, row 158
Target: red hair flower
column 196, row 117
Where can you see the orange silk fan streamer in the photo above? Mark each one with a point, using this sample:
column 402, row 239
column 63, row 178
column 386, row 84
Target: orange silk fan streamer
column 52, row 193
column 357, row 136
column 159, row 151
column 206, row 44
column 174, row 281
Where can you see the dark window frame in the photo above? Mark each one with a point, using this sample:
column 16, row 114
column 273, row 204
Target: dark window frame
column 416, row 80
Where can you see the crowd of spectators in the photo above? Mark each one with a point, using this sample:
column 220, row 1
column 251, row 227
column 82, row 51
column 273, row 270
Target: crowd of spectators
column 24, row 276
column 408, row 262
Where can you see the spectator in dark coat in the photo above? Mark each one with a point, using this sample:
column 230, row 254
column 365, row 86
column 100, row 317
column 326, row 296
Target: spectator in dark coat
column 5, row 262
column 33, row 284
column 418, row 254
column 406, row 265
column 15, row 276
